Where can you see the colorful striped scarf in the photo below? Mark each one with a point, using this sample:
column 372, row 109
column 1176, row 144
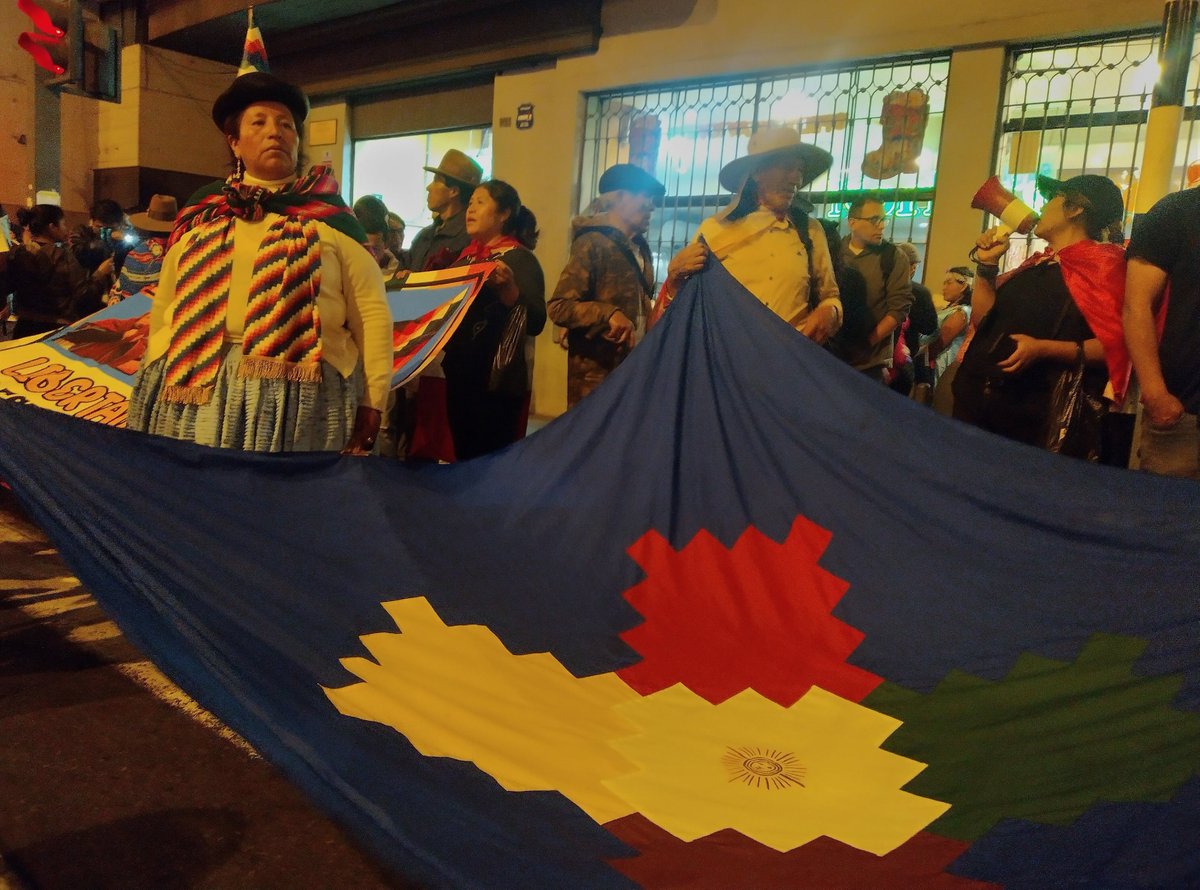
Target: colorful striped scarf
column 282, row 336
column 478, row 252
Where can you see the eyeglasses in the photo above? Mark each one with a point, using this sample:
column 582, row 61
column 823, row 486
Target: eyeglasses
column 873, row 220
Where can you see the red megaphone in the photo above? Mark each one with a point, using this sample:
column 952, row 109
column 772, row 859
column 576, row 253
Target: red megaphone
column 1000, row 202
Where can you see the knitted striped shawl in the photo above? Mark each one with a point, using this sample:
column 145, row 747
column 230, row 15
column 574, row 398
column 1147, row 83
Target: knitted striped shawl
column 282, row 335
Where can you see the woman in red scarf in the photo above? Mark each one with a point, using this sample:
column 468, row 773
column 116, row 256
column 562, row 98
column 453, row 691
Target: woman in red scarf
column 1061, row 305
column 489, row 359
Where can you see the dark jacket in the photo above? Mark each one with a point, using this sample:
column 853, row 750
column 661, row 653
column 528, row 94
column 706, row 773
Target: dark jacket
column 469, row 353
column 50, row 287
column 889, row 292
column 437, row 246
column 922, row 318
column 607, row 271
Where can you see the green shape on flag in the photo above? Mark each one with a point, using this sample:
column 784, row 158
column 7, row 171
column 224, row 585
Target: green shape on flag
column 1046, row 743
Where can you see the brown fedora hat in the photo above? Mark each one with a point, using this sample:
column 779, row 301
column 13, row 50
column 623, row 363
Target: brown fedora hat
column 459, row 167
column 159, row 216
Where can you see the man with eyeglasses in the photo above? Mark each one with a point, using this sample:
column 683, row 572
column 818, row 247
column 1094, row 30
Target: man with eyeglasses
column 889, row 286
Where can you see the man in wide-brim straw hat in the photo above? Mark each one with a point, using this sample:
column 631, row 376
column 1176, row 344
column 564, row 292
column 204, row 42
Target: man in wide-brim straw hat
column 765, row 241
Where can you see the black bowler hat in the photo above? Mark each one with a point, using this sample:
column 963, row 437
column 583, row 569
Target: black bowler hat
column 1100, row 191
column 631, row 178
column 258, row 86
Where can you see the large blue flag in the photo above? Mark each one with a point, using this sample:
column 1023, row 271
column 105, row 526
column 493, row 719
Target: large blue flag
column 741, row 618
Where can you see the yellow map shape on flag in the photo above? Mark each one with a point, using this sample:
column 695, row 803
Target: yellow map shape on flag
column 783, row 776
column 525, row 720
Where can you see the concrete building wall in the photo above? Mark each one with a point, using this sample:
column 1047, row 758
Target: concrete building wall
column 673, row 40
column 19, row 94
column 161, row 122
column 174, row 97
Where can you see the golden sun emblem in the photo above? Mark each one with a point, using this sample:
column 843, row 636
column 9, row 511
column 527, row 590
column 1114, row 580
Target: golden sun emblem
column 764, row 767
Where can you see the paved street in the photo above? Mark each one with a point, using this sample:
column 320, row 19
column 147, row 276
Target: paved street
column 111, row 778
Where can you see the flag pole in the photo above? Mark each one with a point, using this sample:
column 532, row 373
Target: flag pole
column 1166, row 105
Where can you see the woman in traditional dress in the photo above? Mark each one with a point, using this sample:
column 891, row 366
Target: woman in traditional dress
column 270, row 329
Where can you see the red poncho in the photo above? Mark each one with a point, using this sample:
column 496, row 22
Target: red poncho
column 1095, row 277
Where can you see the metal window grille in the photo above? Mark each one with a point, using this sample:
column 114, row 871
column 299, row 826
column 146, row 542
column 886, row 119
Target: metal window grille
column 686, row 132
column 1081, row 107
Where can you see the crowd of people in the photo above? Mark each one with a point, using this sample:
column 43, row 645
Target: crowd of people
column 270, row 329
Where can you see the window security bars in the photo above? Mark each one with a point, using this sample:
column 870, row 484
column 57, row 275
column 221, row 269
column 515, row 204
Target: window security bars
column 881, row 121
column 1081, row 107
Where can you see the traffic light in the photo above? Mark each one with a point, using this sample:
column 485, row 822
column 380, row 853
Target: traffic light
column 45, row 36
column 69, row 40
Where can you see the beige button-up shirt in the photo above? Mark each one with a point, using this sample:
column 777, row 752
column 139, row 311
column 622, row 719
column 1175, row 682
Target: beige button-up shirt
column 767, row 256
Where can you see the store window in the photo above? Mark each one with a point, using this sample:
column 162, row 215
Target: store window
column 1081, row 107
column 392, row 167
column 881, row 121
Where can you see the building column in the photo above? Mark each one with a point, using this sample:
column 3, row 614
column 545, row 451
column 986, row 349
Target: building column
column 966, row 157
column 328, row 140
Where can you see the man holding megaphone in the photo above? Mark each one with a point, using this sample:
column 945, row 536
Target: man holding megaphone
column 1058, row 313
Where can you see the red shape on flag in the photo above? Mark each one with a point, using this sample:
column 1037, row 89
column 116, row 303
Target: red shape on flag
column 730, row 859
column 755, row 616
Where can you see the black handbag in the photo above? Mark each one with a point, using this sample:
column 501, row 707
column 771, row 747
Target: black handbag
column 1075, row 416
column 508, row 367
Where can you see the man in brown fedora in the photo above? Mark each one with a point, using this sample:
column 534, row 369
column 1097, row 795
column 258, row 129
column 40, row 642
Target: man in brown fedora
column 438, row 245
column 143, row 263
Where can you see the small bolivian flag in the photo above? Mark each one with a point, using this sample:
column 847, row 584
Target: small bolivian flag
column 254, row 51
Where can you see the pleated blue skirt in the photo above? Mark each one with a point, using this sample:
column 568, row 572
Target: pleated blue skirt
column 252, row 414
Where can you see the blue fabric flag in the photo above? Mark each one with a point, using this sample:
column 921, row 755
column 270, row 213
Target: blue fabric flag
column 741, row 618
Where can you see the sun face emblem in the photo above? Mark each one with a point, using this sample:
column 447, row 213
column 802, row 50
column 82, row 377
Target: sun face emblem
column 764, row 768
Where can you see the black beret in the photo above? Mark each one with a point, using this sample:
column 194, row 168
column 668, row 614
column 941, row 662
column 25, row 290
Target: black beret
column 631, row 178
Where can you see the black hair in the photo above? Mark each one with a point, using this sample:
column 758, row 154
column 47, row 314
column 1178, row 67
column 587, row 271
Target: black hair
column 966, row 273
column 109, row 212
column 862, row 201
column 748, row 202
column 464, row 188
column 1096, row 230
column 40, row 217
column 833, row 237
column 372, row 213
column 521, row 223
